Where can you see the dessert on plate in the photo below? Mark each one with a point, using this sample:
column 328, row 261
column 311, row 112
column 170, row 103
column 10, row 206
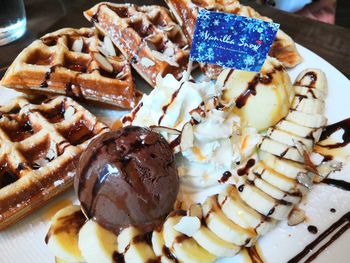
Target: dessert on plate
column 198, row 170
column 235, row 184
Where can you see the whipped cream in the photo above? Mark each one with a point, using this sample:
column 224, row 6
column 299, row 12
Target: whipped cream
column 218, row 142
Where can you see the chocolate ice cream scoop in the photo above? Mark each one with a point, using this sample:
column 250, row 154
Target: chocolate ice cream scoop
column 127, row 177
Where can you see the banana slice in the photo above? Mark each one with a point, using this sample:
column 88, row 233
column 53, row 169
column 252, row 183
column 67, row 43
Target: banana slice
column 310, row 106
column 240, row 213
column 281, row 149
column 135, row 246
column 310, row 93
column 62, row 238
column 299, row 130
column 288, row 138
column 159, row 248
column 139, row 251
column 288, row 168
column 307, row 120
column 263, row 203
column 125, row 237
column 213, row 244
column 224, row 227
column 312, row 78
column 96, row 243
column 273, row 191
column 184, row 248
column 278, row 180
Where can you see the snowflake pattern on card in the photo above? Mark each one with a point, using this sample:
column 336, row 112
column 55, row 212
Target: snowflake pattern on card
column 232, row 41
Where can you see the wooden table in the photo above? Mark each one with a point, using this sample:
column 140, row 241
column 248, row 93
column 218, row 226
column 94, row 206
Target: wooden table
column 330, row 42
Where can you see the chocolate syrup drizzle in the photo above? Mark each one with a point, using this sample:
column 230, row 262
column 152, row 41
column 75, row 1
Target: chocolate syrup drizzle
column 168, row 254
column 165, row 107
column 228, row 76
column 245, row 170
column 313, row 77
column 175, row 142
column 341, row 184
column 312, row 229
column 251, row 89
column 52, row 69
column 132, row 115
column 331, row 129
column 337, row 229
column 226, row 175
column 254, row 255
column 118, row 258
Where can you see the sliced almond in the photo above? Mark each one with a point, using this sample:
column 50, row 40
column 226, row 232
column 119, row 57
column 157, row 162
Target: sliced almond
column 146, row 62
column 296, row 217
column 51, row 154
column 78, row 45
column 196, row 116
column 108, row 45
column 102, row 61
column 69, row 112
column 151, row 45
column 40, row 162
column 169, row 51
column 188, row 225
column 327, row 168
column 168, row 28
column 165, row 129
column 305, row 179
column 186, row 137
column 102, row 50
column 309, row 165
column 162, row 57
column 121, row 75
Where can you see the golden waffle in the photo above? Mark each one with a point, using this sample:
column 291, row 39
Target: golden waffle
column 77, row 62
column 40, row 145
column 146, row 35
column 186, row 11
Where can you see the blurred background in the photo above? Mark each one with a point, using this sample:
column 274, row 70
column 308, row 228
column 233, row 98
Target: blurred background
column 328, row 11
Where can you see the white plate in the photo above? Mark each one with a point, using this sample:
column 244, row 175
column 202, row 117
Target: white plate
column 24, row 242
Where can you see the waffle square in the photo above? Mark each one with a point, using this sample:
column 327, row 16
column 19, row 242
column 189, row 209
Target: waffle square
column 185, row 12
column 40, row 145
column 80, row 63
column 147, row 35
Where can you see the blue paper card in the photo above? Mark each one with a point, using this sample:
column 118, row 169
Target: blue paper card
column 232, row 41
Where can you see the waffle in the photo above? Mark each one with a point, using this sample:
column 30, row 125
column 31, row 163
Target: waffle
column 41, row 143
column 186, row 11
column 77, row 62
column 147, row 35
